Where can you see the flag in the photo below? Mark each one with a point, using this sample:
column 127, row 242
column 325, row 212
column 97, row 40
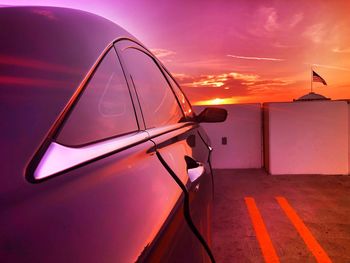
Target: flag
column 317, row 78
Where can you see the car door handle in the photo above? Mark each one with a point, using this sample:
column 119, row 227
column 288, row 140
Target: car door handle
column 195, row 173
column 194, row 169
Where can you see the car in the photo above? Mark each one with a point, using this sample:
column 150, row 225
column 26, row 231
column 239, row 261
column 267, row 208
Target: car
column 102, row 157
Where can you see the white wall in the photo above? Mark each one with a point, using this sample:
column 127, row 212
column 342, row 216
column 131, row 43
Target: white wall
column 243, row 129
column 348, row 102
column 309, row 137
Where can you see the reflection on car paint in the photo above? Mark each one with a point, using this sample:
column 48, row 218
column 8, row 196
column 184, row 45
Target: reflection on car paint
column 59, row 158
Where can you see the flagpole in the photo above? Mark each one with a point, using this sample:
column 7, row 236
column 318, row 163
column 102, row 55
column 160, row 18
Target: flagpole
column 311, row 77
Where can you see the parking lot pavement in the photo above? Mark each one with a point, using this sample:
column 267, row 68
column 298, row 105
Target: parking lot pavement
column 300, row 218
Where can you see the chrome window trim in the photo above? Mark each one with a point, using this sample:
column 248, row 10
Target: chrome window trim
column 59, row 158
column 153, row 132
column 36, row 170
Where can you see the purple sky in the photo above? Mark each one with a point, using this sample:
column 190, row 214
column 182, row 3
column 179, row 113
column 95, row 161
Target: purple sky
column 238, row 51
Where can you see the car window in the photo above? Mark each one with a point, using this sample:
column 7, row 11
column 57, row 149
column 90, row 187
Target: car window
column 158, row 102
column 182, row 99
column 105, row 108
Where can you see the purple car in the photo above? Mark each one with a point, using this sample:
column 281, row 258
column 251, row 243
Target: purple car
column 102, row 157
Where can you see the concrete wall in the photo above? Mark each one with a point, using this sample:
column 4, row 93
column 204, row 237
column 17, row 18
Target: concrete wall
column 243, row 130
column 348, row 102
column 307, row 137
column 265, row 137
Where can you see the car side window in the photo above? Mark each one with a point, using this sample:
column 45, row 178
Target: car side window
column 186, row 106
column 157, row 100
column 104, row 109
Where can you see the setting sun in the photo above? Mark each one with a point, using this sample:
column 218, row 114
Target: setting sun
column 217, row 101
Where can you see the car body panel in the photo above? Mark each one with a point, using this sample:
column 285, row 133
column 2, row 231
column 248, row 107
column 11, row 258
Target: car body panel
column 113, row 208
column 45, row 54
column 108, row 204
column 174, row 147
column 173, row 143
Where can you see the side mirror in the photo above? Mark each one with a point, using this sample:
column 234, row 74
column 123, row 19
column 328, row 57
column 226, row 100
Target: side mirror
column 212, row 115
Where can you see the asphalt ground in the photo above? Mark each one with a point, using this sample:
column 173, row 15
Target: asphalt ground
column 280, row 218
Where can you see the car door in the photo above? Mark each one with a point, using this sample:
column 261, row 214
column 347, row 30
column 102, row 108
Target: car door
column 98, row 192
column 178, row 144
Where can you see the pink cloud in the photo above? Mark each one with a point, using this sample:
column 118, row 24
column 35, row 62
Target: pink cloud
column 256, row 58
column 162, row 53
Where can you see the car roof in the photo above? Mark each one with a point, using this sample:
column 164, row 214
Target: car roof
column 54, row 38
column 45, row 53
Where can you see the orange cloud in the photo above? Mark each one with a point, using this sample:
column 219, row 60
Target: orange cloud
column 316, row 33
column 341, row 50
column 329, row 67
column 225, row 79
column 231, row 87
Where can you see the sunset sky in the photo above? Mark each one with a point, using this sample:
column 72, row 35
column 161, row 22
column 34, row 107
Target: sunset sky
column 238, row 51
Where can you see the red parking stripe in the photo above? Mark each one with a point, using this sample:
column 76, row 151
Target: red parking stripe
column 304, row 232
column 262, row 235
